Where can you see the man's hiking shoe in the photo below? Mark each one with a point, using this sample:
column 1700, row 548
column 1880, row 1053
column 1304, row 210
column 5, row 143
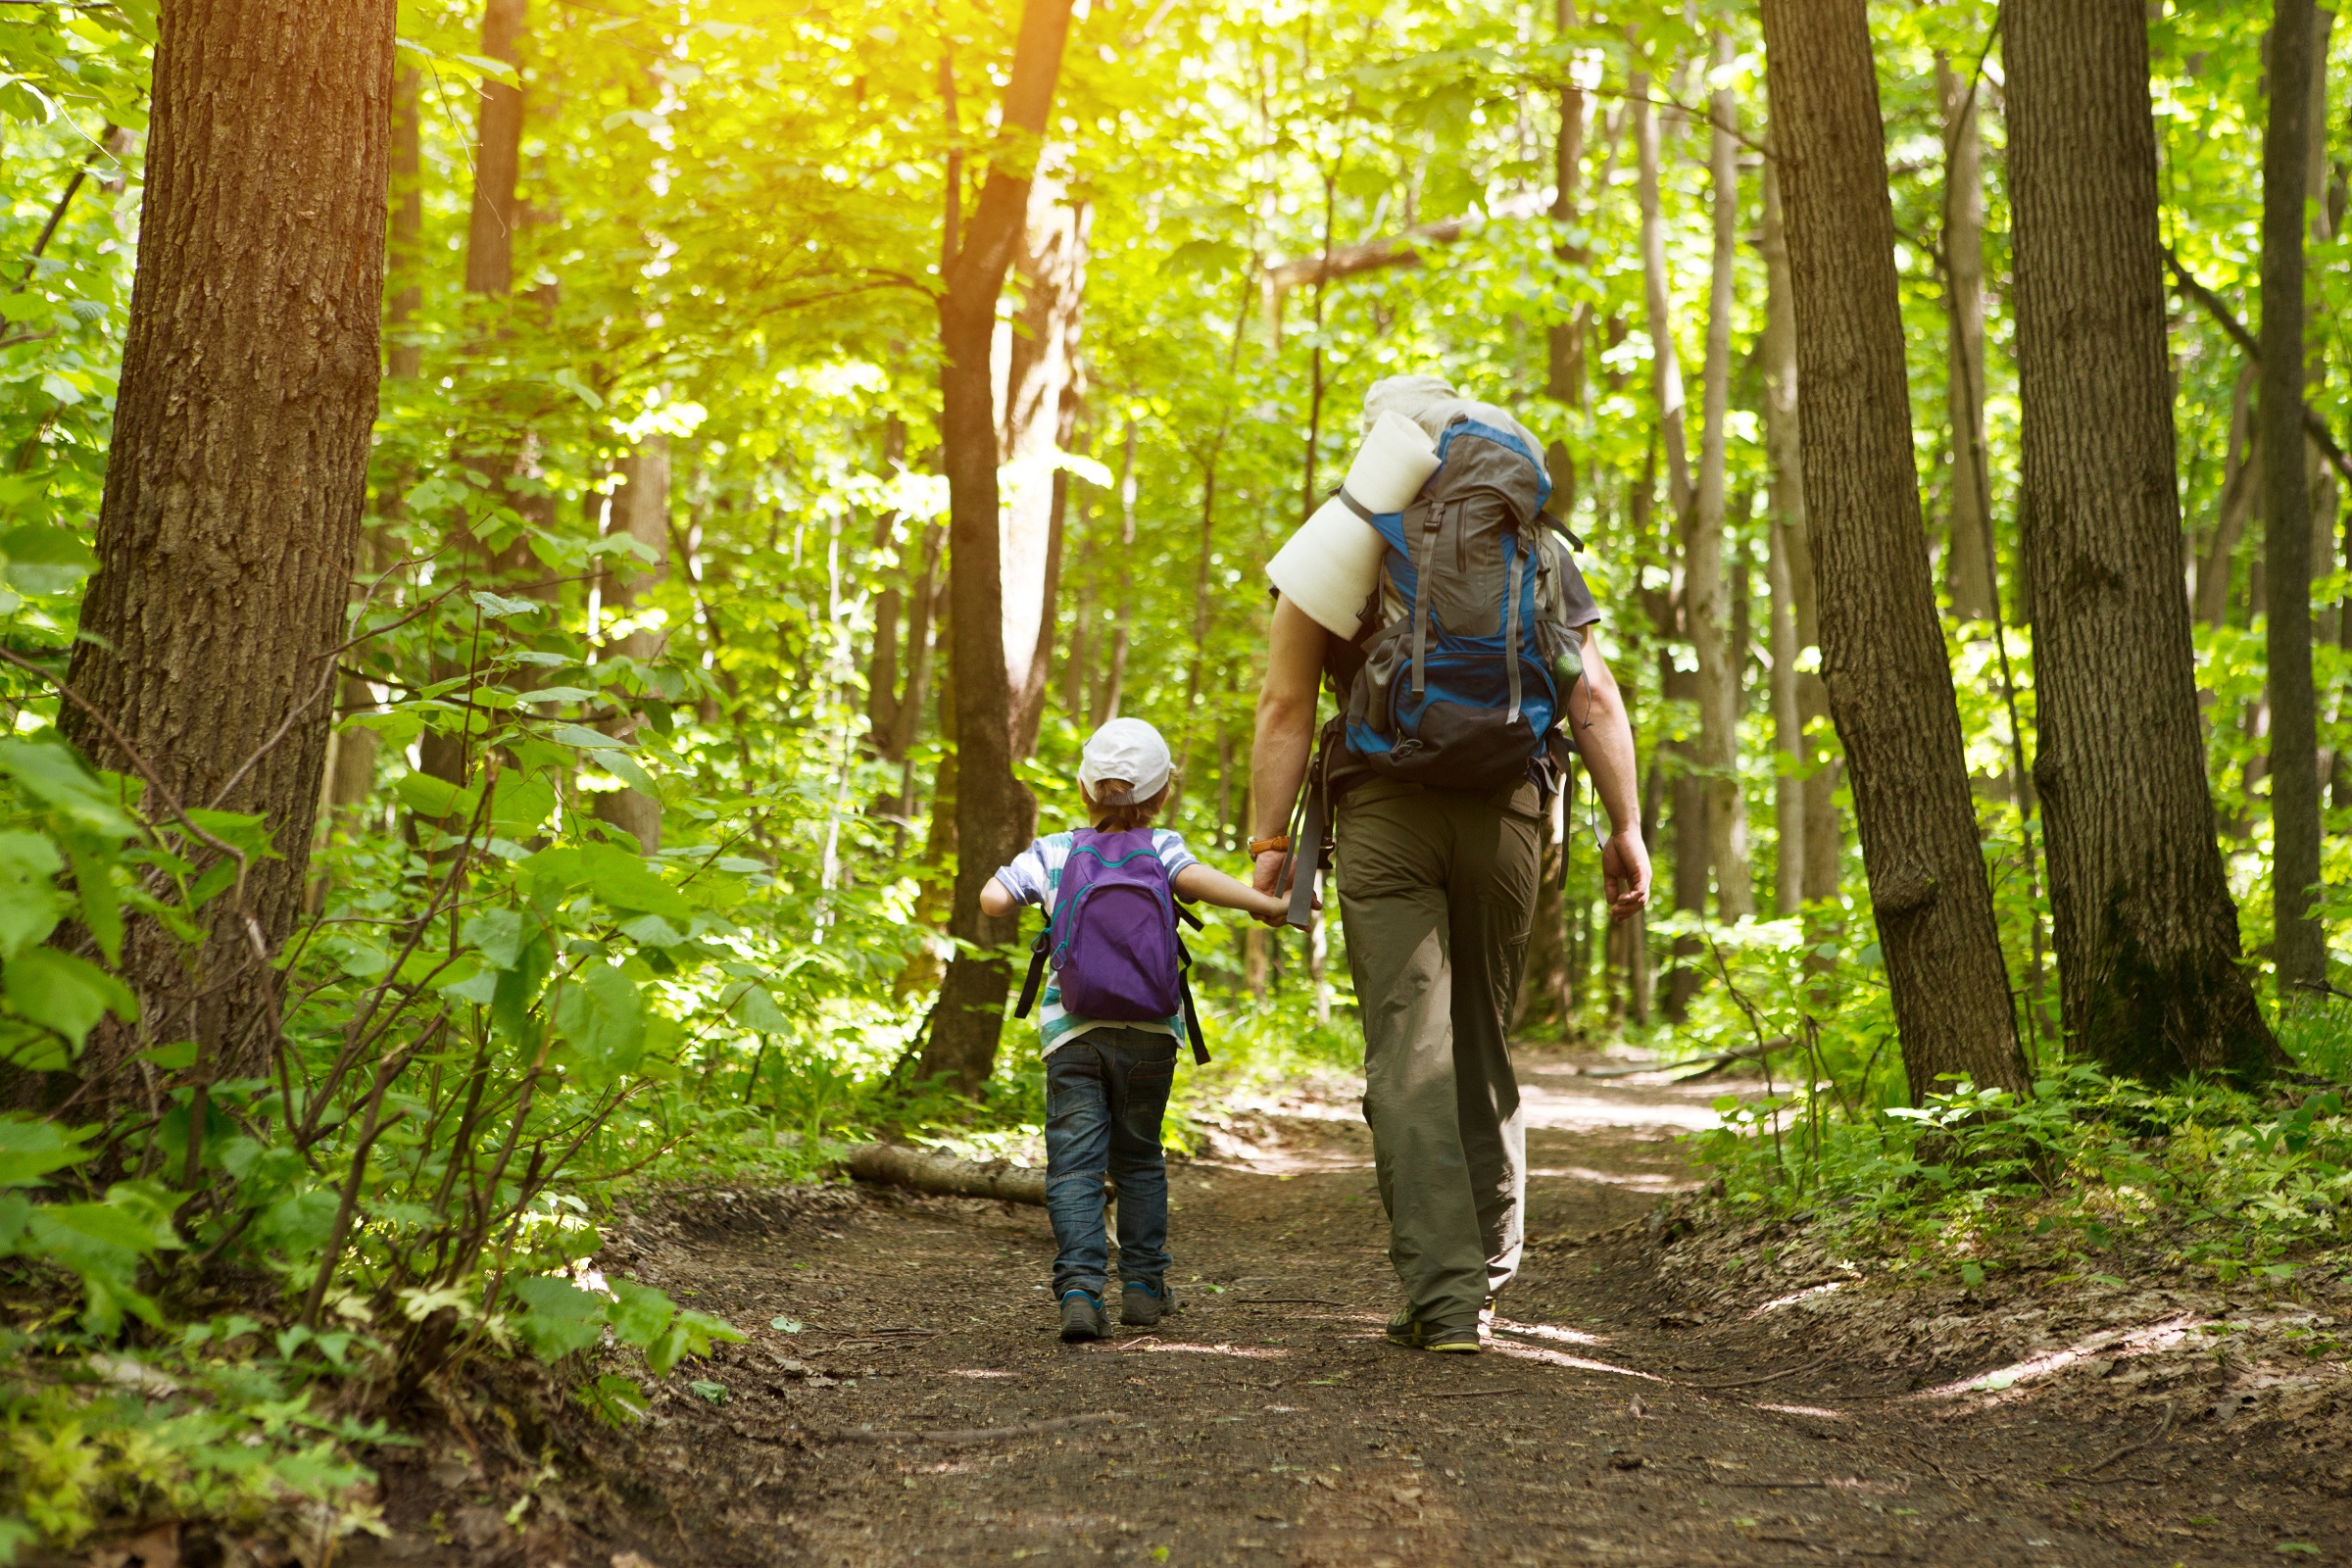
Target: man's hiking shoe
column 1082, row 1317
column 1413, row 1335
column 1142, row 1306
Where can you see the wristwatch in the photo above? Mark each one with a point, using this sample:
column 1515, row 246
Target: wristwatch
column 1259, row 847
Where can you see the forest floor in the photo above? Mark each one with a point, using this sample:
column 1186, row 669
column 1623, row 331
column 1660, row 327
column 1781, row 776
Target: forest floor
column 1643, row 1401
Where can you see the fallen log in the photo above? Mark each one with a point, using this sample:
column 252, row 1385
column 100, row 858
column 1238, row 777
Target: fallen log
column 926, row 1170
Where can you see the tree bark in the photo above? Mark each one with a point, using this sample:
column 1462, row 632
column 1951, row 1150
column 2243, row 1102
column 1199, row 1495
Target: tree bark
column 1967, row 553
column 995, row 812
column 1113, row 689
column 2241, row 470
column 2299, row 946
column 1039, row 414
column 640, row 509
column 1666, row 369
column 1784, row 453
column 497, row 157
column 406, row 260
column 1705, row 591
column 2145, row 930
column 1882, row 652
column 238, row 471
column 1564, row 341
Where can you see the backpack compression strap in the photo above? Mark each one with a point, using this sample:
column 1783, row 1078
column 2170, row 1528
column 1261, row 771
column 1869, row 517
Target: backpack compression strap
column 1425, row 551
column 1036, row 972
column 1184, row 986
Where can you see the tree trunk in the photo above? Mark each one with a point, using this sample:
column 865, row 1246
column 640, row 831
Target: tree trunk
column 1705, row 591
column 995, row 813
column 2299, row 944
column 2145, row 930
column 1115, row 668
column 641, row 509
column 1038, row 413
column 1882, row 652
column 408, row 219
column 1564, row 341
column 1666, row 370
column 238, row 472
column 2242, row 479
column 497, row 157
column 1968, row 556
column 1785, row 453
column 1545, row 993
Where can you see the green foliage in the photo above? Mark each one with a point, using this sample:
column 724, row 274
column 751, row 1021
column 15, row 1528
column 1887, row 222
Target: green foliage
column 2104, row 1175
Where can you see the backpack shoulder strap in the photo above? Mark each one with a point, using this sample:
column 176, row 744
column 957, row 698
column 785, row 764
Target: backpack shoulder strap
column 1184, row 987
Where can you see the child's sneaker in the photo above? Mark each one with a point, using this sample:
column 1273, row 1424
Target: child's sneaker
column 1141, row 1305
column 1082, row 1317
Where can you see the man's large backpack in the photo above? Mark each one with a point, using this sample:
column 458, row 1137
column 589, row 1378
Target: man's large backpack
column 1467, row 660
column 1111, row 938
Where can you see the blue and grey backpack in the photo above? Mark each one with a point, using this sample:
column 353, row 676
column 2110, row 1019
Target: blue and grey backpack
column 1467, row 658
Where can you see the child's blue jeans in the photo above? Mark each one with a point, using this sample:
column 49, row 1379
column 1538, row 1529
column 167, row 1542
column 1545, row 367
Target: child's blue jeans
column 1105, row 1093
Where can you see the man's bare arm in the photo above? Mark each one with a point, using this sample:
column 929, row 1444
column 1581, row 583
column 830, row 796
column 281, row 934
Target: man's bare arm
column 1285, row 729
column 1604, row 738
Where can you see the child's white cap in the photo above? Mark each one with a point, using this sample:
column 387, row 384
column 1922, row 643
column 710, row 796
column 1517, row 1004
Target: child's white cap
column 1126, row 752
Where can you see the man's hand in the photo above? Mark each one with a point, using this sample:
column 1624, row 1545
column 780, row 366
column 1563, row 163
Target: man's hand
column 1265, row 875
column 1625, row 873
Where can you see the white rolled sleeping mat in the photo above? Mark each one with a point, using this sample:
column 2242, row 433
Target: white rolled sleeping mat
column 1329, row 567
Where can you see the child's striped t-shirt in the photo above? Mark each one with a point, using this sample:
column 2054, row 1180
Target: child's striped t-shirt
column 1034, row 877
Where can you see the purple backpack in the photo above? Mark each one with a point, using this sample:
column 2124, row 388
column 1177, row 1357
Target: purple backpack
column 1113, row 937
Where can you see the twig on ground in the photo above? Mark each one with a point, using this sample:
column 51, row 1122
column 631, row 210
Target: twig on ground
column 1768, row 1482
column 1747, row 1383
column 1285, row 1300
column 2130, row 1449
column 1034, row 1429
column 1469, row 1393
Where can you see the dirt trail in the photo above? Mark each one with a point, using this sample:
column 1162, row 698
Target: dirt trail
column 1268, row 1423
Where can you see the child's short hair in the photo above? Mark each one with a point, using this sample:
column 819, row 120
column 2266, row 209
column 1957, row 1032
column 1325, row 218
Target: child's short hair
column 1108, row 818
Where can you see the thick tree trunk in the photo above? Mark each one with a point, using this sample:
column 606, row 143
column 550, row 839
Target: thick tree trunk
column 1038, row 414
column 995, row 813
column 1705, row 590
column 2146, row 932
column 1882, row 648
column 1785, row 452
column 238, row 471
column 640, row 509
column 2299, row 944
column 497, row 157
column 1968, row 550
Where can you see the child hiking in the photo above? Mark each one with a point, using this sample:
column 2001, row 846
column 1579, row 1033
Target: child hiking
column 1114, row 1008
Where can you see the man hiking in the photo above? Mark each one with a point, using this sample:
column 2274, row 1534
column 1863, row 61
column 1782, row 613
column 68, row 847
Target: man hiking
column 1471, row 655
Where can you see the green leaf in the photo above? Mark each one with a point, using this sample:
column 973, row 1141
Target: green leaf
column 640, row 1314
column 625, row 767
column 520, row 805
column 61, row 992
column 559, row 1319
column 426, row 795
column 786, row 1325
column 715, row 1393
column 653, row 931
column 602, row 1015
column 499, row 935
column 30, row 1148
column 101, row 901
column 613, row 1400
column 56, row 776
column 757, row 1012
column 623, row 881
column 589, row 740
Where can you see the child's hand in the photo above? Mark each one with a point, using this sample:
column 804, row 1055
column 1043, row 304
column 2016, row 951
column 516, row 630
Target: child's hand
column 1273, row 909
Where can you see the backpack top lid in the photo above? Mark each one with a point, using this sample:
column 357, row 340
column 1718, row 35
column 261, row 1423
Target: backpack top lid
column 1434, row 405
